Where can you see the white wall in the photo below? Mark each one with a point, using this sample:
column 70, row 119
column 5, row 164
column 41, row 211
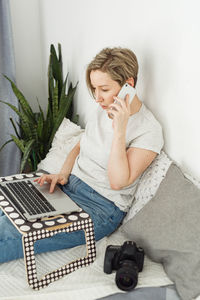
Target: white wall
column 164, row 34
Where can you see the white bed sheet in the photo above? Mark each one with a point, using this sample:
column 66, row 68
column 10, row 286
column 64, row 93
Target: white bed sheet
column 85, row 283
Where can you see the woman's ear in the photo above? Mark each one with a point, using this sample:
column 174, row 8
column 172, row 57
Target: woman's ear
column 130, row 81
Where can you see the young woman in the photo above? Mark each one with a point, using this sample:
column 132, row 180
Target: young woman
column 102, row 171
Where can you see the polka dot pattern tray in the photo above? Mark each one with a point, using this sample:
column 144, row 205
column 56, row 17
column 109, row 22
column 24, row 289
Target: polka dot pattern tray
column 47, row 227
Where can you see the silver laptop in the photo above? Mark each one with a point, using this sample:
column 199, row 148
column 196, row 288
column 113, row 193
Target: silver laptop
column 33, row 201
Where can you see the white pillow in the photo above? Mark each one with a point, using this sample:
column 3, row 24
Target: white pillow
column 66, row 137
column 149, row 184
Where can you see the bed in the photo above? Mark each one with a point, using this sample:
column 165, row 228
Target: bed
column 157, row 221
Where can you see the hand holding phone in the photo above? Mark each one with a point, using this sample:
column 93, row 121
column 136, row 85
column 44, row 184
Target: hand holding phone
column 127, row 89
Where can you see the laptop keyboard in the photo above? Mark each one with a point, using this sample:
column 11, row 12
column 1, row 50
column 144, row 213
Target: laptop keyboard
column 28, row 197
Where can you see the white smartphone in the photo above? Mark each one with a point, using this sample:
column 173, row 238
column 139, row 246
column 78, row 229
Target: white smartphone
column 127, row 89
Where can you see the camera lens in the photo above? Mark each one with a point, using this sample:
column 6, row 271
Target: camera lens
column 127, row 278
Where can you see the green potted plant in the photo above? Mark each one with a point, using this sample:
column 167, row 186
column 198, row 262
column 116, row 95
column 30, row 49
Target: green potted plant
column 36, row 131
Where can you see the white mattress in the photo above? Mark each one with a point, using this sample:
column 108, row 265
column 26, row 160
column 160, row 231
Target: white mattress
column 85, row 283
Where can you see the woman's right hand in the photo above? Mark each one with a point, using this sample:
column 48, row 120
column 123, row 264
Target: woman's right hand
column 53, row 179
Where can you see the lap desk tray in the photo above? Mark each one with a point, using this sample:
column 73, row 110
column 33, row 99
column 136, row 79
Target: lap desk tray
column 45, row 228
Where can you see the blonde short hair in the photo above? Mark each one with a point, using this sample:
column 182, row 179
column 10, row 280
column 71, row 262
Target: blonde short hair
column 120, row 63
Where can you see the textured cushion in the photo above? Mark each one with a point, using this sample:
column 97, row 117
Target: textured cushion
column 66, row 137
column 168, row 228
column 149, row 183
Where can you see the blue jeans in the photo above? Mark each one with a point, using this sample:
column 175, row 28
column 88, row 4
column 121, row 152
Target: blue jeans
column 105, row 214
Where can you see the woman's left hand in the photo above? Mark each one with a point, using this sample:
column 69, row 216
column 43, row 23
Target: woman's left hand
column 120, row 111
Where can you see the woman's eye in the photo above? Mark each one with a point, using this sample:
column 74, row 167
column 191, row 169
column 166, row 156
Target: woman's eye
column 105, row 90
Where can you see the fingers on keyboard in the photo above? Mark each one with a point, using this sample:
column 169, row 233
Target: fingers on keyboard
column 53, row 183
column 37, row 180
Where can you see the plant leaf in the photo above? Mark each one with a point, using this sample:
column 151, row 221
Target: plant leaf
column 57, row 68
column 22, row 116
column 41, row 111
column 48, row 125
column 59, row 53
column 62, row 112
column 5, row 144
column 25, row 132
column 50, row 82
column 13, row 108
column 26, row 153
column 62, row 95
column 55, row 64
column 19, row 142
column 22, row 100
column 60, row 60
column 40, row 127
column 55, row 103
column 15, row 128
column 35, row 162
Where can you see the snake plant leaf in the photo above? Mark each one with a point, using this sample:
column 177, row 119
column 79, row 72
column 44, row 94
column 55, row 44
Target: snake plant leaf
column 13, row 108
column 60, row 59
column 15, row 128
column 50, row 82
column 55, row 103
column 34, row 159
column 59, row 53
column 62, row 112
column 25, row 133
column 40, row 127
column 19, row 142
column 70, row 112
column 34, row 133
column 22, row 100
column 41, row 111
column 22, row 116
column 48, row 124
column 5, row 144
column 26, row 152
column 56, row 67
column 63, row 91
column 63, row 98
column 55, row 64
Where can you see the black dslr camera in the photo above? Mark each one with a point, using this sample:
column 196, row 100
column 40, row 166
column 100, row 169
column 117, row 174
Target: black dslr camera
column 128, row 260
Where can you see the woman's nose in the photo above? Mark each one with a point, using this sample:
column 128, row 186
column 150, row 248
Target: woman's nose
column 98, row 97
column 98, row 100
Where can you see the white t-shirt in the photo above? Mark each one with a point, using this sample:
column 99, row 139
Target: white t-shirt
column 143, row 131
